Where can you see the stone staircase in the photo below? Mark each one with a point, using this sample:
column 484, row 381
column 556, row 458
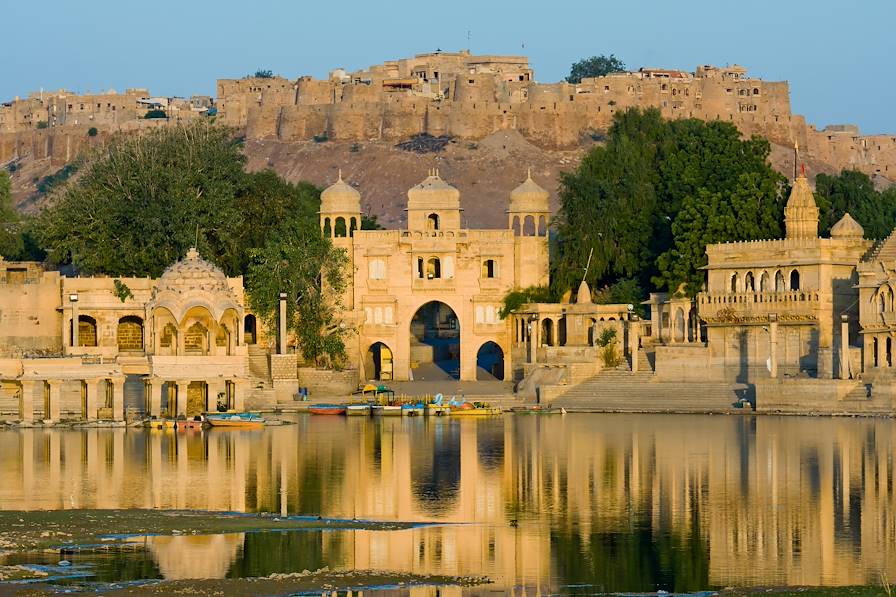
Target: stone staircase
column 262, row 390
column 619, row 390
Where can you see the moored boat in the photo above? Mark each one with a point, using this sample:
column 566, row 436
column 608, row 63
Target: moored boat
column 386, row 410
column 413, row 410
column 482, row 411
column 437, row 410
column 538, row 410
column 253, row 420
column 358, row 410
column 194, row 423
column 327, row 409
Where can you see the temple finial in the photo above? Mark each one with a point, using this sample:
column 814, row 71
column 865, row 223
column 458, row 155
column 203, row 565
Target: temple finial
column 340, row 174
column 529, row 173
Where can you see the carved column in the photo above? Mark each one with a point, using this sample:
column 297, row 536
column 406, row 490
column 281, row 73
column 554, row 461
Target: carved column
column 215, row 386
column 634, row 335
column 92, row 387
column 153, row 391
column 117, row 398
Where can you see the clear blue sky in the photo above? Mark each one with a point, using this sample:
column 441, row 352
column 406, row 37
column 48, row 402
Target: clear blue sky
column 838, row 56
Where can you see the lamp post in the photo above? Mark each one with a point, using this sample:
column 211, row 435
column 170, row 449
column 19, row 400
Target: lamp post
column 281, row 344
column 73, row 299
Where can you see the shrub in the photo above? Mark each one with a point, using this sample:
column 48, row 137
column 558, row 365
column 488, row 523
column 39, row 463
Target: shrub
column 155, row 114
column 355, row 148
column 321, row 138
column 42, row 124
column 91, row 132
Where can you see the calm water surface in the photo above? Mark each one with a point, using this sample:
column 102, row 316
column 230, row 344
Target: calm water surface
column 608, row 502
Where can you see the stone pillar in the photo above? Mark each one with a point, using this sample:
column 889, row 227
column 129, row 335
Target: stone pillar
column 240, row 389
column 75, row 331
column 844, row 347
column 281, row 339
column 154, row 396
column 92, row 388
column 773, row 344
column 117, row 398
column 26, row 401
column 180, row 399
column 532, row 331
column 634, row 335
column 54, row 400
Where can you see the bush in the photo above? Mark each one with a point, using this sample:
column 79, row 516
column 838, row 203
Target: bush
column 155, row 114
column 355, row 148
column 609, row 356
column 42, row 124
column 91, row 132
column 321, row 138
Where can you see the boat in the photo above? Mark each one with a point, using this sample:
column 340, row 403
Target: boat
column 436, row 408
column 327, row 409
column 386, row 410
column 480, row 411
column 358, row 410
column 166, row 424
column 538, row 410
column 233, row 419
column 194, row 423
column 413, row 410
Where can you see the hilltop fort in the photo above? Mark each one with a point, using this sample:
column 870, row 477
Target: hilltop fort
column 452, row 94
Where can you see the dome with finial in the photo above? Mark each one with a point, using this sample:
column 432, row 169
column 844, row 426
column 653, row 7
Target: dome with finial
column 583, row 297
column 847, row 227
column 340, row 197
column 529, row 197
column 193, row 282
column 801, row 193
column 433, row 193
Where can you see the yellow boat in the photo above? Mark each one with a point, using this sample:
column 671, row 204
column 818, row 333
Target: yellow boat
column 475, row 412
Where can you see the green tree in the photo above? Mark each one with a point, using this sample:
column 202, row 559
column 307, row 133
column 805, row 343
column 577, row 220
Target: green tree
column 595, row 66
column 141, row 202
column 264, row 74
column 92, row 131
column 150, row 114
column 647, row 203
column 11, row 240
column 853, row 192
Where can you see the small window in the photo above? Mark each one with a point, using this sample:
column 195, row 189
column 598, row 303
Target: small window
column 489, row 269
column 432, row 222
column 433, row 268
column 377, row 269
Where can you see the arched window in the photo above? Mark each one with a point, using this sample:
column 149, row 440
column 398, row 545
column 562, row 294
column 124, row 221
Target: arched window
column 353, row 226
column 328, row 230
column 764, row 283
column 130, row 333
column 339, row 229
column 749, row 284
column 168, row 338
column 87, row 333
column 489, row 269
column 516, row 225
column 420, row 272
column 542, row 226
column 529, row 226
column 432, row 222
column 733, row 283
column 779, row 282
column 196, row 339
column 377, row 269
column 794, row 279
column 433, row 268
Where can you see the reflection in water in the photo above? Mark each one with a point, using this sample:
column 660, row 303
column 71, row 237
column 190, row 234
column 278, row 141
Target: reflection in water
column 619, row 502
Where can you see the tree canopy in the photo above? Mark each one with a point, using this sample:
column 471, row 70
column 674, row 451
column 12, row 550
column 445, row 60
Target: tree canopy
column 264, row 73
column 853, row 192
column 649, row 201
column 11, row 244
column 141, row 201
column 595, row 66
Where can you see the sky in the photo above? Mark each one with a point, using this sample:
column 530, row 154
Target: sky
column 837, row 56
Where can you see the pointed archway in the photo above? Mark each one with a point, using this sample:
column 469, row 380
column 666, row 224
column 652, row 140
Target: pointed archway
column 435, row 343
column 490, row 362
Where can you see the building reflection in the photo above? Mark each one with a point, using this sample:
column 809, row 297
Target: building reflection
column 638, row 502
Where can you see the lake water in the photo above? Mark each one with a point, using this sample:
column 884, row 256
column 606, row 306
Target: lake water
column 591, row 502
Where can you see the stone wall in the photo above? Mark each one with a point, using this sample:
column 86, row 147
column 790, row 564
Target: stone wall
column 326, row 382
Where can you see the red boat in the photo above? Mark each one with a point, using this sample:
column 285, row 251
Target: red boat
column 327, row 409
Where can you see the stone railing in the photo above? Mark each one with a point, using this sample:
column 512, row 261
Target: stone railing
column 746, row 307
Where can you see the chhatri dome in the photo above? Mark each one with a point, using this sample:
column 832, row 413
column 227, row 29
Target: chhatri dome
column 433, row 193
column 340, row 197
column 192, row 282
column 529, row 197
column 583, row 296
column 847, row 227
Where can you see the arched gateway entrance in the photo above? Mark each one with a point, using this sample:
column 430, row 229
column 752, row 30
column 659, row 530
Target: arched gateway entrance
column 378, row 364
column 490, row 363
column 435, row 343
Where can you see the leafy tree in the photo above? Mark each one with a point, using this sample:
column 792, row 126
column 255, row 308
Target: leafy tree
column 11, row 242
column 42, row 124
column 595, row 66
column 649, row 201
column 92, row 132
column 155, row 114
column 370, row 222
column 264, row 74
column 853, row 192
column 517, row 298
column 141, row 202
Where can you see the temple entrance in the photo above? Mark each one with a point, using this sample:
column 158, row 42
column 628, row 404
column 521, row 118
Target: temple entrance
column 195, row 398
column 378, row 364
column 249, row 329
column 435, row 343
column 490, row 363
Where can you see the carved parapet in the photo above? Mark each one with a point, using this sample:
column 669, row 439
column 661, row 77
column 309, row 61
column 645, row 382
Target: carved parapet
column 755, row 307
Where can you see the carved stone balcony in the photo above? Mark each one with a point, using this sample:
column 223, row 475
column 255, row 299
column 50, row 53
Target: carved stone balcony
column 755, row 307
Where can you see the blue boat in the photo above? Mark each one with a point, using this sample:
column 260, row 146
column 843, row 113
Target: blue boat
column 234, row 419
column 413, row 410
